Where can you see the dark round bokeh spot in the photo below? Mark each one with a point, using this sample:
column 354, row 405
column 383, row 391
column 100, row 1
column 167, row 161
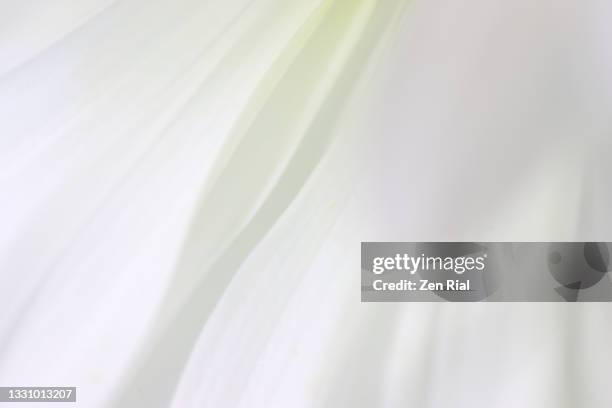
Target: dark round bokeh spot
column 554, row 257
column 573, row 264
column 597, row 256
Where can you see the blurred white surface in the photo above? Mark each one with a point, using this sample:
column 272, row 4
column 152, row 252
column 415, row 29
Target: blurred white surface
column 184, row 186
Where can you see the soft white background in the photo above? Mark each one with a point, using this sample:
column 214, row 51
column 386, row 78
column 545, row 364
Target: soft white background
column 184, row 185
